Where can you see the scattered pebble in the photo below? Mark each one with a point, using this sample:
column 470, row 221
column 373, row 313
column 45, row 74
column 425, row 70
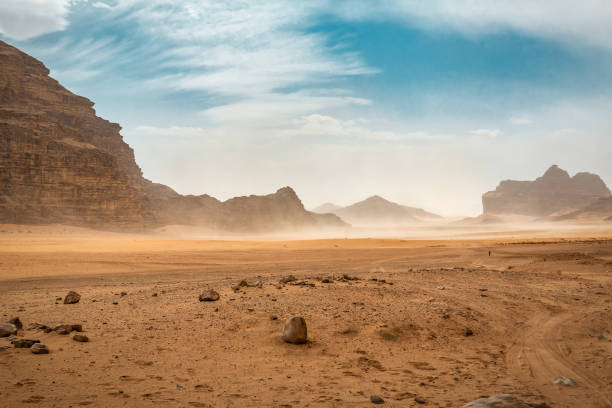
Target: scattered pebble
column 24, row 343
column 375, row 399
column 565, row 381
column 15, row 321
column 81, row 338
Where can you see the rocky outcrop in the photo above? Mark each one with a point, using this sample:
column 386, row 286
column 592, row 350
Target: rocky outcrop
column 552, row 194
column 600, row 210
column 376, row 211
column 60, row 163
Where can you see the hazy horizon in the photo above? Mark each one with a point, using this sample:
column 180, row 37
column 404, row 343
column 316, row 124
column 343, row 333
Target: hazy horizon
column 428, row 105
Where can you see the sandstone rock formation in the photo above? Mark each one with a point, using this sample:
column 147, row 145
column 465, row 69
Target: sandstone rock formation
column 376, row 211
column 552, row 194
column 597, row 211
column 60, row 163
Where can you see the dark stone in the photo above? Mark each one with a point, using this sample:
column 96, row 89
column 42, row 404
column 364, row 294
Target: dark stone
column 209, row 296
column 7, row 329
column 288, row 279
column 375, row 399
column 295, row 331
column 39, row 348
column 24, row 343
column 71, row 298
column 81, row 338
column 17, row 323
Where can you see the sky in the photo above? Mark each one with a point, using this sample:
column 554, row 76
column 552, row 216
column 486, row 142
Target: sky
column 429, row 104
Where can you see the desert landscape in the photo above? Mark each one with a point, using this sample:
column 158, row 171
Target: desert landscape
column 406, row 239
column 414, row 322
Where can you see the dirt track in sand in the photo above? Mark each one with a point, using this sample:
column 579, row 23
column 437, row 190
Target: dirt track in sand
column 536, row 311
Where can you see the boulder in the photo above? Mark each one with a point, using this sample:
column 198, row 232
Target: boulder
column 295, row 331
column 39, row 348
column 24, row 343
column 7, row 329
column 71, row 298
column 17, row 323
column 209, row 296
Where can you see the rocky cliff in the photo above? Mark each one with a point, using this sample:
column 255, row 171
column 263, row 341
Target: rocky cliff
column 60, row 163
column 554, row 193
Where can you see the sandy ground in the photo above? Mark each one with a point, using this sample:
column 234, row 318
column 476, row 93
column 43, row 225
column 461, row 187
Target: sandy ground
column 537, row 309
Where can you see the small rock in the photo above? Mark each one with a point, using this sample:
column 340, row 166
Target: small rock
column 7, row 329
column 115, row 302
column 259, row 284
column 287, row 279
column 498, row 401
column 154, row 294
column 565, row 381
column 209, row 296
column 468, row 332
column 77, row 327
column 326, row 280
column 295, row 331
column 81, row 338
column 39, row 348
column 71, row 298
column 250, row 309
column 123, row 294
column 273, row 317
column 375, row 399
column 63, row 331
column 440, row 287
column 419, row 400
column 24, row 343
column 17, row 323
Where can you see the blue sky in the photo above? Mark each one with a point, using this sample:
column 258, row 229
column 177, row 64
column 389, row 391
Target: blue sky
column 425, row 103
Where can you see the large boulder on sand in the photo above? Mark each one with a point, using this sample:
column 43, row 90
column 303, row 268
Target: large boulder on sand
column 295, row 331
column 7, row 329
column 498, row 401
column 71, row 298
column 209, row 296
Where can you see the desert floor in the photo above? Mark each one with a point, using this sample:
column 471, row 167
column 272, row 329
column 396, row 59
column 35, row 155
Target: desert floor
column 537, row 309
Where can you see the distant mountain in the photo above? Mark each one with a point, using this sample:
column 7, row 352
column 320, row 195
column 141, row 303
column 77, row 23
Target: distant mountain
column 326, row 208
column 376, row 211
column 553, row 194
column 600, row 210
column 60, row 163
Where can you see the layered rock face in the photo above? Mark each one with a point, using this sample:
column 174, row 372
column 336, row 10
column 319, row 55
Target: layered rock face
column 60, row 163
column 552, row 194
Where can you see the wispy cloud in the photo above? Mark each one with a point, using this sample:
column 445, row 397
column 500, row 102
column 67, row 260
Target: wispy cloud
column 587, row 22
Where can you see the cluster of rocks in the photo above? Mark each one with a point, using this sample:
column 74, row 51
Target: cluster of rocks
column 14, row 325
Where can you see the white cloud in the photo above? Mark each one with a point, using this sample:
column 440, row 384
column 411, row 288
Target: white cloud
column 99, row 4
column 587, row 22
column 23, row 19
column 491, row 133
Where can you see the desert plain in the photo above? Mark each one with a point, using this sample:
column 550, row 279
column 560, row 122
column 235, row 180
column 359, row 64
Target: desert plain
column 417, row 322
